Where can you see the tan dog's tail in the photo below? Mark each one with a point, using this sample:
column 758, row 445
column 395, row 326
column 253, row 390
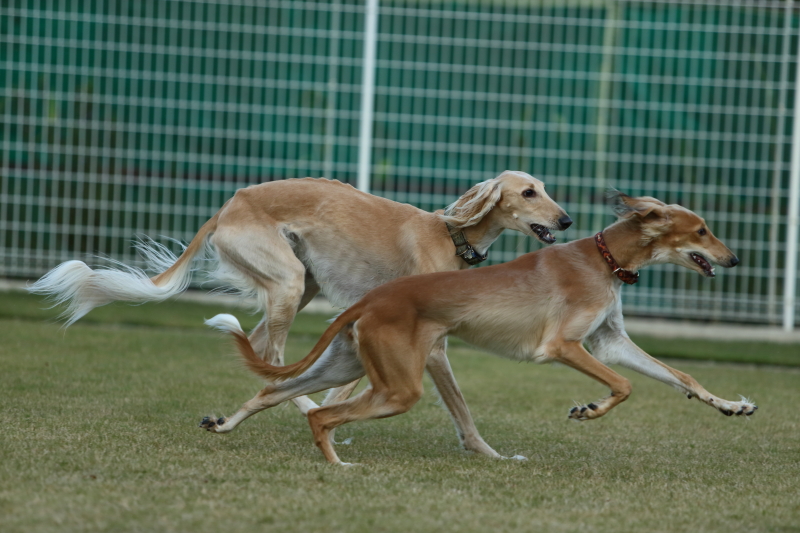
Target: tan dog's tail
column 83, row 289
column 258, row 366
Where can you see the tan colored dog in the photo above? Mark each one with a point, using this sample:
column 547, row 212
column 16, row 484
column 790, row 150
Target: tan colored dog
column 540, row 307
column 284, row 241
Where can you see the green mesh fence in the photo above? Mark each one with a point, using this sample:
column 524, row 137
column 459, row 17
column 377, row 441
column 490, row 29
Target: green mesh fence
column 125, row 118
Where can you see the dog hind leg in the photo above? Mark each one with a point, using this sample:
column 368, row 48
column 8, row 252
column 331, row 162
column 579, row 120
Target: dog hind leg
column 337, row 395
column 333, row 369
column 395, row 382
column 262, row 261
column 259, row 338
column 442, row 376
column 340, row 394
column 367, row 405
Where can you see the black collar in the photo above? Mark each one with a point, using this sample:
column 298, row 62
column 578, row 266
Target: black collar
column 463, row 248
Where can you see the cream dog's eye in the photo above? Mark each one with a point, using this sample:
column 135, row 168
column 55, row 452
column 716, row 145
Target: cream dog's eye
column 702, row 231
column 529, row 193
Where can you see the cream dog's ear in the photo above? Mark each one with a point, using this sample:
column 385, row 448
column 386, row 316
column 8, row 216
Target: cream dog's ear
column 473, row 204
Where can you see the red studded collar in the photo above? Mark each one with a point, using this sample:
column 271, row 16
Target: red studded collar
column 625, row 275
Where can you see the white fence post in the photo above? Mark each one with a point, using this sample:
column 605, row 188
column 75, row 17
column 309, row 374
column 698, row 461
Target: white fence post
column 773, row 304
column 792, row 220
column 367, row 94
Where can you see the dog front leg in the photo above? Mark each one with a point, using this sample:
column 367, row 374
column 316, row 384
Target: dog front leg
column 573, row 354
column 614, row 346
column 442, row 375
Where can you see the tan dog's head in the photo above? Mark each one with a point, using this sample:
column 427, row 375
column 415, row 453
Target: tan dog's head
column 676, row 234
column 515, row 200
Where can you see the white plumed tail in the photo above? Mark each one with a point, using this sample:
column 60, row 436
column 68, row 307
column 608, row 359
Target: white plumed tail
column 82, row 289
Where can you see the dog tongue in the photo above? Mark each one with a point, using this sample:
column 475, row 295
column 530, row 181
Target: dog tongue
column 543, row 233
column 705, row 265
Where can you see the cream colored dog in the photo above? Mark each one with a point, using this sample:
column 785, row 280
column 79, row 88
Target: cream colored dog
column 540, row 307
column 284, row 241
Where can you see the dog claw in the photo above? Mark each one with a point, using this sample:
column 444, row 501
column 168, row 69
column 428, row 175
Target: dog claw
column 210, row 424
column 583, row 412
column 736, row 408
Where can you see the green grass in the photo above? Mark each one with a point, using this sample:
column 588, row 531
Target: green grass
column 19, row 305
column 101, row 435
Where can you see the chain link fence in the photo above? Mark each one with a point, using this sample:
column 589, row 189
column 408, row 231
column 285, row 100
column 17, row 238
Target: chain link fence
column 125, row 118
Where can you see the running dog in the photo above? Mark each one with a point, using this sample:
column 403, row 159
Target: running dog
column 540, row 307
column 284, row 241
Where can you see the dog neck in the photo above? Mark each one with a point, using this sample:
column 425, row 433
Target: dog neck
column 624, row 241
column 463, row 248
column 626, row 276
column 483, row 234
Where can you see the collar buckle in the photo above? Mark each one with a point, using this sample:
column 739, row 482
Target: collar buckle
column 463, row 248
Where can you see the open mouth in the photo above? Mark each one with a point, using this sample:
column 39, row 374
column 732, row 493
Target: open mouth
column 543, row 233
column 708, row 270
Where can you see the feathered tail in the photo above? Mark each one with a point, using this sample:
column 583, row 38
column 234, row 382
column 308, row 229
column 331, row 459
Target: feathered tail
column 83, row 289
column 258, row 366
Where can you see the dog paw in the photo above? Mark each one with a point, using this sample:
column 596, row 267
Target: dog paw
column 743, row 408
column 515, row 458
column 583, row 412
column 209, row 424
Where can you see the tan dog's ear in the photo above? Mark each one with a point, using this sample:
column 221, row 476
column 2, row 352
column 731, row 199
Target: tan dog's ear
column 645, row 207
column 473, row 204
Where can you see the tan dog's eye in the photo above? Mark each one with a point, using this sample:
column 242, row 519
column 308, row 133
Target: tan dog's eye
column 701, row 231
column 529, row 193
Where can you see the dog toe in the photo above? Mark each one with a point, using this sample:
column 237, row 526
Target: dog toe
column 208, row 424
column 585, row 412
column 744, row 408
column 577, row 413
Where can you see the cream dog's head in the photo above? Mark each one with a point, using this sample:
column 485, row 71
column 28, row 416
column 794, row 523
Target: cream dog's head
column 516, row 200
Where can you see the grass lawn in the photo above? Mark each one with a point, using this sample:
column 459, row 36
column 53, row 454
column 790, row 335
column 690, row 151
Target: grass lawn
column 101, row 435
